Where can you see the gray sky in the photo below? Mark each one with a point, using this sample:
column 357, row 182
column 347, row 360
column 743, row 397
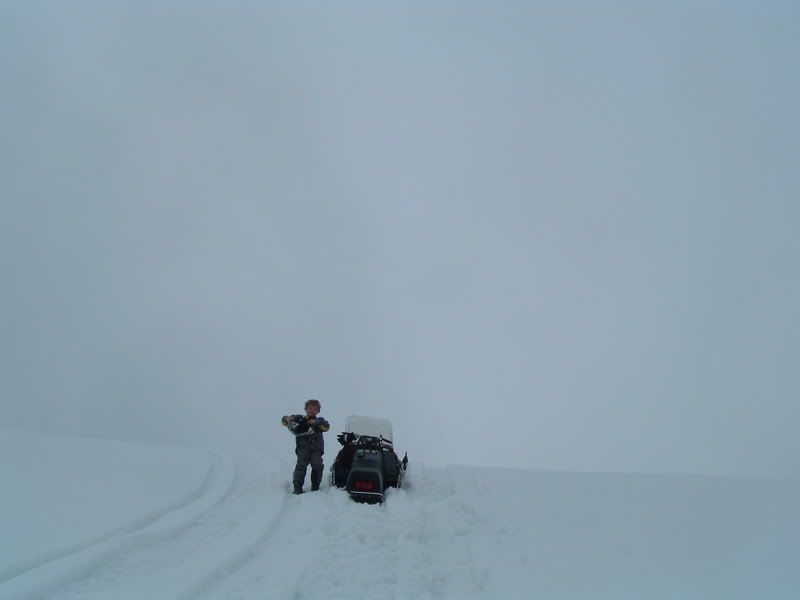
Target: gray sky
column 557, row 238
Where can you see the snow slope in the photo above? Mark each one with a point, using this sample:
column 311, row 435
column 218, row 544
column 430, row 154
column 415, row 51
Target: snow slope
column 192, row 525
column 68, row 503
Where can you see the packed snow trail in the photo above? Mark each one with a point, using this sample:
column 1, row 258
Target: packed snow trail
column 454, row 533
column 175, row 565
column 259, row 541
column 461, row 533
column 416, row 545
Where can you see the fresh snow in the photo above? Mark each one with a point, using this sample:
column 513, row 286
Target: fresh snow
column 93, row 519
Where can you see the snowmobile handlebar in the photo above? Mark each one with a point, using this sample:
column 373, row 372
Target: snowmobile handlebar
column 370, row 441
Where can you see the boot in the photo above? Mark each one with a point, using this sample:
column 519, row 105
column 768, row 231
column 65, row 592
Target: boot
column 297, row 490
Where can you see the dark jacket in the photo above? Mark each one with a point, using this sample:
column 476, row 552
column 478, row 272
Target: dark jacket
column 308, row 437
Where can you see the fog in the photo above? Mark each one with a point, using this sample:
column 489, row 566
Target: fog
column 560, row 238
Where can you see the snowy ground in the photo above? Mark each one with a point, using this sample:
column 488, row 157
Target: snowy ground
column 94, row 519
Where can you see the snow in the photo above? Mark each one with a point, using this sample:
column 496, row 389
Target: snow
column 68, row 502
column 92, row 519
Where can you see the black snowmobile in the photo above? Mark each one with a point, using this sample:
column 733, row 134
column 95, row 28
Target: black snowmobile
column 367, row 463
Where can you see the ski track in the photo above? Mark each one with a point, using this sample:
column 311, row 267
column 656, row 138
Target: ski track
column 434, row 539
column 238, row 559
column 173, row 565
column 132, row 527
column 325, row 546
column 447, row 534
column 39, row 578
column 257, row 541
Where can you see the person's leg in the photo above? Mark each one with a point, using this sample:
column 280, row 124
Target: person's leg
column 303, row 458
column 316, row 470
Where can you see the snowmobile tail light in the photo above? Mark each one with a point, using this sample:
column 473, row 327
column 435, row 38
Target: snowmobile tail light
column 363, row 486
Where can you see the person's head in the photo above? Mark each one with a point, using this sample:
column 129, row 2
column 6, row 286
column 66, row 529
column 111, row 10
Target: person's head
column 312, row 407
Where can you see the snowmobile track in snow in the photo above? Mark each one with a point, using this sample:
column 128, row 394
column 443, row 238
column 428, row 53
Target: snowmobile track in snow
column 238, row 560
column 348, row 545
column 38, row 578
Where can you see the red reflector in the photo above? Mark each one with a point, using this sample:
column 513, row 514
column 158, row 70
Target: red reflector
column 363, row 486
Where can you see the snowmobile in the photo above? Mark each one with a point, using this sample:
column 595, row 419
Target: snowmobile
column 367, row 464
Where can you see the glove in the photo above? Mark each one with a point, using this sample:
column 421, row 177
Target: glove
column 346, row 437
column 289, row 422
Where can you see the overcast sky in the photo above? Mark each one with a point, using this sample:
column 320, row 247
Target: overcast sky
column 534, row 237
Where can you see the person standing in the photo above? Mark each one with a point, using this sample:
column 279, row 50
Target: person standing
column 310, row 446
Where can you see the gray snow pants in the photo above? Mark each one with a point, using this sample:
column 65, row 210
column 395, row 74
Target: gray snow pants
column 306, row 456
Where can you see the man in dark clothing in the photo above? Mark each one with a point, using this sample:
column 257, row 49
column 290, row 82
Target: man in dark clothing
column 310, row 446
